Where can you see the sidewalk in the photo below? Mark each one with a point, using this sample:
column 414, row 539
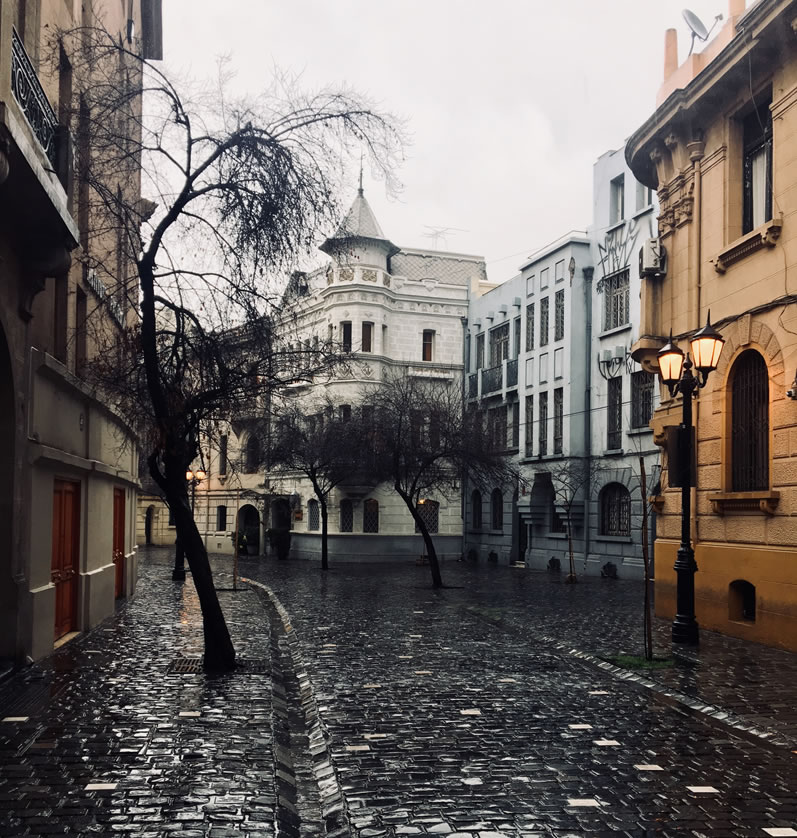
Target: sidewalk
column 112, row 741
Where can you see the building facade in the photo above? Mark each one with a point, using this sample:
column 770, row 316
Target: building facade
column 67, row 503
column 720, row 150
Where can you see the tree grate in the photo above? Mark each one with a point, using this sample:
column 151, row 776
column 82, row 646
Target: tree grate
column 243, row 666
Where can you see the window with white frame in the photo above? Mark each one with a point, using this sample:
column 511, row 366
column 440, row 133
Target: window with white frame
column 559, row 271
column 617, row 200
column 757, row 168
column 616, row 295
column 544, row 274
column 642, row 384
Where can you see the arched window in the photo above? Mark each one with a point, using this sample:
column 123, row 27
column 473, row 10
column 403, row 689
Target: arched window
column 346, row 516
column 252, row 458
column 371, row 516
column 749, row 423
column 313, row 520
column 615, row 507
column 497, row 509
column 430, row 513
column 476, row 510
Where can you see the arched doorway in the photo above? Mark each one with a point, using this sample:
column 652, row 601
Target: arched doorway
column 148, row 522
column 249, row 528
column 8, row 601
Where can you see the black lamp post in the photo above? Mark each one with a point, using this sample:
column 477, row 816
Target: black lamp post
column 676, row 373
column 194, row 478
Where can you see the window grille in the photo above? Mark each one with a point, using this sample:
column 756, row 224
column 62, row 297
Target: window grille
column 614, row 437
column 750, row 423
column 559, row 315
column 515, row 441
column 642, row 384
column 516, row 338
column 497, row 509
column 543, row 420
column 615, row 290
column 221, row 518
column 346, row 516
column 497, row 426
column 429, row 511
column 615, row 505
column 371, row 516
column 558, row 419
column 530, row 326
column 529, row 425
column 313, row 517
column 499, row 344
column 545, row 305
column 476, row 510
column 479, row 351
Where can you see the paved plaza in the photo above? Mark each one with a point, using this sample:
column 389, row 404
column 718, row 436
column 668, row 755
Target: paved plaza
column 369, row 704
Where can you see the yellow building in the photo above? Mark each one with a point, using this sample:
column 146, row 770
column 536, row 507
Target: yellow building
column 68, row 494
column 721, row 149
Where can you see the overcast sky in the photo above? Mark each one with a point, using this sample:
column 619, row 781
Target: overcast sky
column 508, row 102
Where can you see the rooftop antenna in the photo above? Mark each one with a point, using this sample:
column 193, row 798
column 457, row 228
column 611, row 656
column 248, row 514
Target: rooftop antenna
column 437, row 233
column 360, row 190
column 697, row 27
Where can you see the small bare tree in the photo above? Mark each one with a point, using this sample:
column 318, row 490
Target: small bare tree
column 426, row 442
column 572, row 480
column 235, row 192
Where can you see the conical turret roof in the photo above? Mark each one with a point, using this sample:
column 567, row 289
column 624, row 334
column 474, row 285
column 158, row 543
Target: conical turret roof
column 359, row 223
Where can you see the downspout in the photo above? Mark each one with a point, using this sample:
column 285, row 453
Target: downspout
column 588, row 273
column 464, row 476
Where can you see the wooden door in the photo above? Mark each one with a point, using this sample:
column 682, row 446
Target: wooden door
column 66, row 551
column 119, row 540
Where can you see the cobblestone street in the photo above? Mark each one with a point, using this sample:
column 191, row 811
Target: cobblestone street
column 480, row 710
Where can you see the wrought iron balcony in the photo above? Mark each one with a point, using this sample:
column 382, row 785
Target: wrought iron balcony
column 31, row 98
column 511, row 373
column 491, row 379
column 473, row 385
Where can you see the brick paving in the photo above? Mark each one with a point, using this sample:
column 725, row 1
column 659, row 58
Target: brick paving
column 389, row 709
column 467, row 712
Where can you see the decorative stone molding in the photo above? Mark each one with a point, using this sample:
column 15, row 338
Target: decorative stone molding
column 764, row 236
column 765, row 501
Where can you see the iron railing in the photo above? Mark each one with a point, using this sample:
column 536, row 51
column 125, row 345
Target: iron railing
column 30, row 96
column 491, row 379
column 473, row 385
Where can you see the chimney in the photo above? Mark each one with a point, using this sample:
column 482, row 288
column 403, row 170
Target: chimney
column 735, row 8
column 671, row 49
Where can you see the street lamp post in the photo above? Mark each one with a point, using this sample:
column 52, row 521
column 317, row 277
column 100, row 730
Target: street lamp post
column 676, row 373
column 194, row 478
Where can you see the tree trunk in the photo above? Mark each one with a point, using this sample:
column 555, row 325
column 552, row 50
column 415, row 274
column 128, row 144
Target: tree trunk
column 324, row 534
column 571, row 577
column 219, row 651
column 434, row 565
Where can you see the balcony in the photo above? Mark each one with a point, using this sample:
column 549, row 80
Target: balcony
column 492, row 380
column 31, row 98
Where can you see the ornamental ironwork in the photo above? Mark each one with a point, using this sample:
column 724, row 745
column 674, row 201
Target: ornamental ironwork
column 31, row 97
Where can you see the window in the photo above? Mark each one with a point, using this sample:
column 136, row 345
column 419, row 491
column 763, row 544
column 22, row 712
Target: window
column 615, row 300
column 429, row 510
column 223, row 454
column 313, row 518
column 499, row 344
column 366, row 344
column 252, row 454
column 496, row 422
column 221, row 518
column 543, row 367
column 559, row 315
column 476, row 510
column 345, row 412
column 749, row 423
column 558, row 362
column 644, row 196
column 558, row 524
column 559, row 271
column 479, row 351
column 346, row 516
column 617, row 200
column 615, row 510
column 428, row 343
column 545, row 305
column 543, row 420
column 544, row 278
column 516, row 339
column 171, row 517
column 514, row 442
column 529, row 327
column 529, row 425
column 642, row 384
column 497, row 509
column 757, row 203
column 371, row 516
column 558, row 418
column 529, row 285
column 81, row 348
column 467, row 353
column 614, row 439
column 345, row 329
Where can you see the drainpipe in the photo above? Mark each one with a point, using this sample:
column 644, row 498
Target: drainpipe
column 464, row 477
column 588, row 273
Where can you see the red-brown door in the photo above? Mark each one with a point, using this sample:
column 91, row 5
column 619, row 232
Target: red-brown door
column 66, row 550
column 119, row 540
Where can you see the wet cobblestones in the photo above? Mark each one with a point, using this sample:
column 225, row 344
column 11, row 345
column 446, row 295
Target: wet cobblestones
column 452, row 713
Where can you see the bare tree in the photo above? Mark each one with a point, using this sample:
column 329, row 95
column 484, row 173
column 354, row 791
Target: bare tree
column 317, row 441
column 426, row 442
column 236, row 192
column 572, row 480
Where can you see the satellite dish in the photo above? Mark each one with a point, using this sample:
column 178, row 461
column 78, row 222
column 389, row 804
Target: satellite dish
column 697, row 27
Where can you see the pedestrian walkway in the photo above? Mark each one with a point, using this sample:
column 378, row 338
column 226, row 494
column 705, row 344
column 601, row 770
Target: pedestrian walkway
column 483, row 709
column 114, row 734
